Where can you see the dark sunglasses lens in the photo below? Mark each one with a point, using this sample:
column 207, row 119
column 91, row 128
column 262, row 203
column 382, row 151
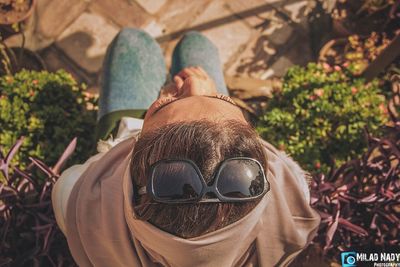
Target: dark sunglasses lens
column 176, row 181
column 241, row 178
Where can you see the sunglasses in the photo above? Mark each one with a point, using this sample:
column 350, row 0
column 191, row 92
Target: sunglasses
column 180, row 181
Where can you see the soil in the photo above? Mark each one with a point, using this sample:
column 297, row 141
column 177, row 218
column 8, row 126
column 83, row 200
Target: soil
column 12, row 11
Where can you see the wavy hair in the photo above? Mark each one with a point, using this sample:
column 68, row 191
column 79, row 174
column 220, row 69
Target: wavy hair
column 206, row 143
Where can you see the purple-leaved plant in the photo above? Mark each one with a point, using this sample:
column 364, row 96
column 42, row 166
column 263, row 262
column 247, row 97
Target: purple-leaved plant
column 29, row 235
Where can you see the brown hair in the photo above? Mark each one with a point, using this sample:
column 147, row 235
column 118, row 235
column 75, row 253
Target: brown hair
column 206, row 143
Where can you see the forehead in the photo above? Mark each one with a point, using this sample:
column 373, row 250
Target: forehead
column 193, row 108
column 202, row 101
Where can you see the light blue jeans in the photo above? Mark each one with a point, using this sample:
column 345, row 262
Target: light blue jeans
column 134, row 71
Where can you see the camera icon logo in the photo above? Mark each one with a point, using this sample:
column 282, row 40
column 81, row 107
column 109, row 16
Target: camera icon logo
column 348, row 259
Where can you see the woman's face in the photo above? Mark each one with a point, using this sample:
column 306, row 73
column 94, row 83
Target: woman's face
column 192, row 96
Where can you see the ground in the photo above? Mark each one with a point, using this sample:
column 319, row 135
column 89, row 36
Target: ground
column 256, row 39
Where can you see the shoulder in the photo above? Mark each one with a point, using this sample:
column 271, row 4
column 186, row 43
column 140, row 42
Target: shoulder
column 63, row 187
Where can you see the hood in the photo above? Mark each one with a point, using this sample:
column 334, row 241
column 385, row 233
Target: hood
column 102, row 229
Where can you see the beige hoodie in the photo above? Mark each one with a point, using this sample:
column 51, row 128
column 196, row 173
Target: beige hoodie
column 102, row 230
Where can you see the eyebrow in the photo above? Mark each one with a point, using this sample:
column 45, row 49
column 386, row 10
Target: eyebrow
column 209, row 96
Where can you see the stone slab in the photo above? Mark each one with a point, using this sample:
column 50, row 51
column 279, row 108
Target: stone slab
column 151, row 6
column 84, row 28
column 265, row 45
column 253, row 12
column 282, row 42
column 125, row 13
column 251, row 62
column 269, row 56
column 55, row 61
column 154, row 29
column 298, row 10
column 177, row 15
column 229, row 36
column 55, row 16
column 299, row 53
column 85, row 41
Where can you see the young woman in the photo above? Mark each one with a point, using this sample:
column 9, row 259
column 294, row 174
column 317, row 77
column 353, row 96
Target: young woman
column 190, row 185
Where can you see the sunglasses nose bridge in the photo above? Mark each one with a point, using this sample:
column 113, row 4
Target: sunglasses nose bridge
column 210, row 195
column 209, row 190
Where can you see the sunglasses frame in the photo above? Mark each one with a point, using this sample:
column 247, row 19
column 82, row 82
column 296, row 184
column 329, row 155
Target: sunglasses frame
column 206, row 189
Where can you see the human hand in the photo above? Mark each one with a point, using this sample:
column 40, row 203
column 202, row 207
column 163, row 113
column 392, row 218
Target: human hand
column 194, row 81
column 169, row 90
column 189, row 81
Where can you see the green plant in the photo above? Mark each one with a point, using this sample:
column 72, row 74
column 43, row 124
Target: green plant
column 5, row 60
column 320, row 114
column 355, row 51
column 362, row 51
column 48, row 109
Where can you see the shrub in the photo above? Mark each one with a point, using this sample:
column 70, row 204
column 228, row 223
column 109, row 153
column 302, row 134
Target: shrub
column 362, row 51
column 48, row 109
column 320, row 114
column 356, row 51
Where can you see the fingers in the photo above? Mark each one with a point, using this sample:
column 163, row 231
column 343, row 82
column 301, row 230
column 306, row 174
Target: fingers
column 202, row 72
column 193, row 81
column 197, row 72
column 186, row 73
column 169, row 90
column 185, row 79
column 178, row 81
